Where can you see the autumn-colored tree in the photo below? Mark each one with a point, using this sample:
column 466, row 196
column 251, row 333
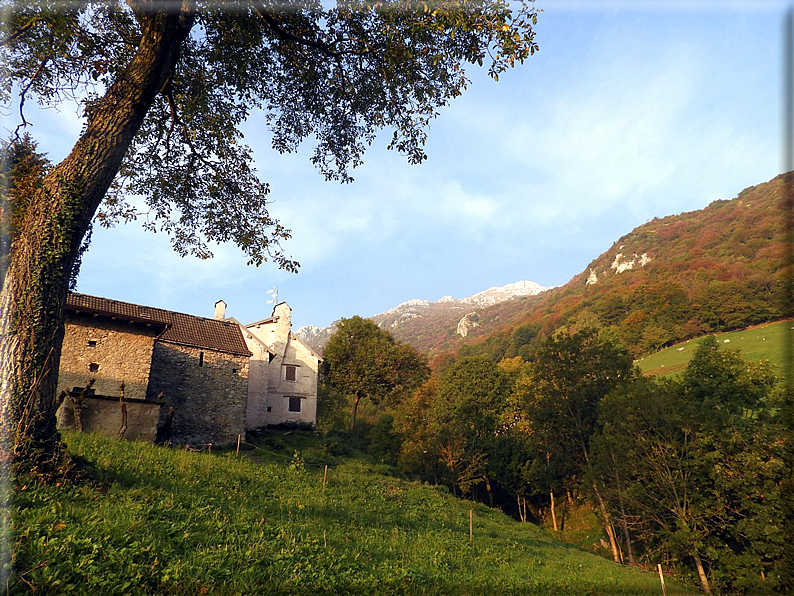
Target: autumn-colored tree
column 413, row 421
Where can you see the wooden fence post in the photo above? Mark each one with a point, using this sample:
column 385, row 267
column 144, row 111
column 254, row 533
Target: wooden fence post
column 325, row 476
column 471, row 525
column 123, row 427
column 238, row 446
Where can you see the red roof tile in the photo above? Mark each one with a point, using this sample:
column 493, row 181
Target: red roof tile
column 180, row 328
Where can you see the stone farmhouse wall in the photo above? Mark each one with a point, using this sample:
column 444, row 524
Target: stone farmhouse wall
column 96, row 348
column 258, row 376
column 102, row 415
column 207, row 389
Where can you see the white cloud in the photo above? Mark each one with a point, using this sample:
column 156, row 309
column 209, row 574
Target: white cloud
column 610, row 137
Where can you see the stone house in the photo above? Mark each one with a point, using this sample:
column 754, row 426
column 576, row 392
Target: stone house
column 282, row 383
column 183, row 375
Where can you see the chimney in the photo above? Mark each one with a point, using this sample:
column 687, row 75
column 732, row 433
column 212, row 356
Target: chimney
column 220, row 310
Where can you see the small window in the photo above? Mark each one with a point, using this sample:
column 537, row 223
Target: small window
column 201, row 358
column 268, row 408
column 91, row 343
column 93, row 367
column 294, row 404
column 290, row 373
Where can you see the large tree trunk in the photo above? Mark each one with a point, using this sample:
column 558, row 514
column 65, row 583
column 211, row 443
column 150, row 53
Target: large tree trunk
column 356, row 399
column 45, row 245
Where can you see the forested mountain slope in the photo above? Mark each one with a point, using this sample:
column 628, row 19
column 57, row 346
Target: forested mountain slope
column 673, row 278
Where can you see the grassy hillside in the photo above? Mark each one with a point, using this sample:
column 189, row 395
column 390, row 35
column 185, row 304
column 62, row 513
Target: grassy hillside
column 161, row 521
column 762, row 342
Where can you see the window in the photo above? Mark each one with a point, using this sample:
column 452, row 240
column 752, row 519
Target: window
column 93, row 367
column 201, row 358
column 91, row 343
column 290, row 372
column 294, row 404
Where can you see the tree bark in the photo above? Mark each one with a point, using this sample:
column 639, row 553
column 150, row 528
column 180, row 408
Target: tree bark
column 45, row 245
column 488, row 490
column 704, row 581
column 623, row 523
column 607, row 524
column 356, row 399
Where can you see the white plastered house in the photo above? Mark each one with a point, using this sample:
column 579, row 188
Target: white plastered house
column 283, row 371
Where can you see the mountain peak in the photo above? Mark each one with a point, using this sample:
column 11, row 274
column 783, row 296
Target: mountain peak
column 404, row 319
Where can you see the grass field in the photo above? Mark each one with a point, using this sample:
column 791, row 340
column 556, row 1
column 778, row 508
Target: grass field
column 165, row 521
column 764, row 342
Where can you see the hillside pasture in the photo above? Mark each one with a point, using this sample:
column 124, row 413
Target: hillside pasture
column 166, row 521
column 761, row 342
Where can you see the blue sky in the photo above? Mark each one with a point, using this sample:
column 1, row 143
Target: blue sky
column 629, row 111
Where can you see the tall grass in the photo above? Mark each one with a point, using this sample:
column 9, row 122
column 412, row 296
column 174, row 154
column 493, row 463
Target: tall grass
column 163, row 521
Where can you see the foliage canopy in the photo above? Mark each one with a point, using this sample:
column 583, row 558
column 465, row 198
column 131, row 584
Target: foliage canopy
column 337, row 73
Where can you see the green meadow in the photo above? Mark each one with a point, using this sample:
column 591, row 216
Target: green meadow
column 153, row 520
column 763, row 342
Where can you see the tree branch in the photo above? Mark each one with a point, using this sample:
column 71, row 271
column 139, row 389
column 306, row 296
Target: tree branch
column 23, row 95
column 264, row 12
column 12, row 36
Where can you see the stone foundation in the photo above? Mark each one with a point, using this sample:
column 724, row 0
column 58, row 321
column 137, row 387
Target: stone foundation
column 102, row 415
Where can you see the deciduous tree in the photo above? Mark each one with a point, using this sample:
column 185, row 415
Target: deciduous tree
column 467, row 416
column 365, row 361
column 560, row 395
column 694, row 466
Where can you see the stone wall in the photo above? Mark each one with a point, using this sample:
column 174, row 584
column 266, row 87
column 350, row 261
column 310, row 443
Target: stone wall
column 207, row 389
column 108, row 351
column 102, row 415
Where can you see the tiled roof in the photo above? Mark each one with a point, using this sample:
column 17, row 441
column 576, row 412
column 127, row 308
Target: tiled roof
column 81, row 303
column 180, row 328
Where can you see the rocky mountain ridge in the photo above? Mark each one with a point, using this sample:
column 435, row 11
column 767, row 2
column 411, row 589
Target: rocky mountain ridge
column 673, row 278
column 456, row 315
